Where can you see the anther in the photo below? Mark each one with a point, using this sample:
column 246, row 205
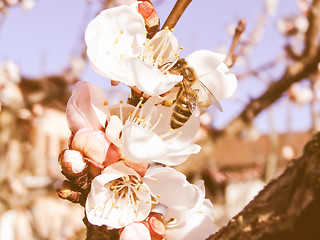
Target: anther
column 116, row 41
column 105, row 102
column 158, row 196
column 121, row 31
column 172, row 29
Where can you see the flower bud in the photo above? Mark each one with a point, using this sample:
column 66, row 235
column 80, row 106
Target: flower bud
column 65, row 191
column 150, row 16
column 72, row 162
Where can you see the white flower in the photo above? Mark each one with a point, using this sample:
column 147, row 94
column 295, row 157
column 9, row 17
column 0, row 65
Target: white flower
column 149, row 138
column 119, row 49
column 119, row 196
column 143, row 136
column 213, row 73
column 188, row 215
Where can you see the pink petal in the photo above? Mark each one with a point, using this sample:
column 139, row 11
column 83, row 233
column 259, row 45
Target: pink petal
column 86, row 108
column 135, row 231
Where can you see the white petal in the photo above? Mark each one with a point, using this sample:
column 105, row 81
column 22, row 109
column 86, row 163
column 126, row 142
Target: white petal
column 114, row 129
column 174, row 158
column 149, row 79
column 141, row 145
column 102, row 209
column 211, row 70
column 198, row 226
column 114, row 34
column 165, row 182
column 188, row 132
column 165, row 38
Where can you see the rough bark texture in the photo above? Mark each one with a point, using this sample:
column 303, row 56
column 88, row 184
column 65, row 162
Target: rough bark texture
column 287, row 208
column 100, row 233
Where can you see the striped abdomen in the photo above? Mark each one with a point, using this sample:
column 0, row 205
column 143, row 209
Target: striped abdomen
column 181, row 112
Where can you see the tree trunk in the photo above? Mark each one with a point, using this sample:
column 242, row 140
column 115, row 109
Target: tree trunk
column 287, row 208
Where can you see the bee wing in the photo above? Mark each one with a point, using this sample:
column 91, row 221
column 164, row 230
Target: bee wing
column 192, row 99
column 212, row 98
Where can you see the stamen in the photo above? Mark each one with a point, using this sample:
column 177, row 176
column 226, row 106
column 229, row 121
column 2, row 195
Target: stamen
column 135, row 110
column 121, row 116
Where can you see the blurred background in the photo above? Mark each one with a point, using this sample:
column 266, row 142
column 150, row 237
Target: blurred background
column 42, row 55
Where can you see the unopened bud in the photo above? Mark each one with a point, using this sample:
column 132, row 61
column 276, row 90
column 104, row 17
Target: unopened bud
column 72, row 162
column 65, row 191
column 157, row 228
column 150, row 16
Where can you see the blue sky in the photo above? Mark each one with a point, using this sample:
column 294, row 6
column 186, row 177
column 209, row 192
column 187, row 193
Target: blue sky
column 42, row 41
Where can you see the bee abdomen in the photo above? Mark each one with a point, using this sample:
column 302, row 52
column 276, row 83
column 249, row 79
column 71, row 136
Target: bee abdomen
column 180, row 115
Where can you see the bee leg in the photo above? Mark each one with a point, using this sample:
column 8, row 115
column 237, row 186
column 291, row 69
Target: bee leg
column 167, row 103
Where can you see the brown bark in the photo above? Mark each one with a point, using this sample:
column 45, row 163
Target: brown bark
column 287, row 208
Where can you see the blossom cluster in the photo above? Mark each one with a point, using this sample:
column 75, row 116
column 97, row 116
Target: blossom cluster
column 120, row 157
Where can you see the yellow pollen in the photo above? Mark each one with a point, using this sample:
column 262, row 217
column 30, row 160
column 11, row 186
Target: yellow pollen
column 172, row 29
column 160, row 115
column 155, row 180
column 166, row 29
column 113, row 204
column 105, row 102
column 135, row 211
column 121, row 102
column 141, row 104
column 146, row 32
column 147, row 191
column 141, row 98
column 181, row 47
column 117, row 207
column 121, row 31
column 126, row 178
column 92, row 207
column 158, row 196
column 147, row 202
column 122, row 55
column 171, row 130
column 132, row 46
column 176, row 55
column 130, row 114
column 180, row 132
column 116, row 41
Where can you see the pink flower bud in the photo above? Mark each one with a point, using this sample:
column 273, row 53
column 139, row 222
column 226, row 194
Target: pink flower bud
column 72, row 162
column 156, row 225
column 150, row 16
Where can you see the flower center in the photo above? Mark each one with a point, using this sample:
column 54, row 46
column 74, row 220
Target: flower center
column 160, row 51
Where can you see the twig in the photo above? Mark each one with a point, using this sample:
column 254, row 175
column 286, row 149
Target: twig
column 298, row 70
column 231, row 57
column 176, row 13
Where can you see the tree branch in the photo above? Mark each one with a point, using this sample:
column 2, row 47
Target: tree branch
column 176, row 13
column 298, row 70
column 287, row 208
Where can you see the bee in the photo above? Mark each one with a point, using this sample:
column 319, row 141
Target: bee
column 187, row 99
